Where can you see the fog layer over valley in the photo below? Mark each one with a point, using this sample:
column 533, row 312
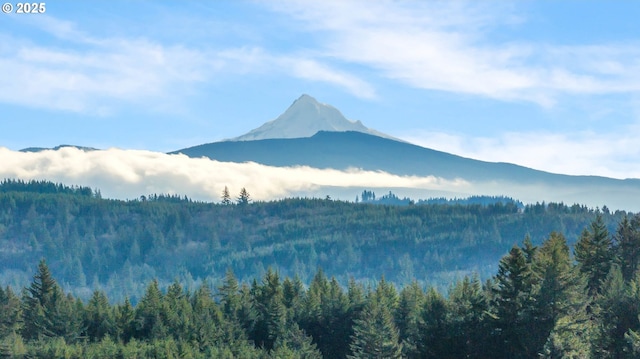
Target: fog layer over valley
column 128, row 174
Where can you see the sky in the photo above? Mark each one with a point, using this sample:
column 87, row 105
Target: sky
column 552, row 85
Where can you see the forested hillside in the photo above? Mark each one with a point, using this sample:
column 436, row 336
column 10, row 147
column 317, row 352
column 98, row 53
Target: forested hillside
column 119, row 246
column 541, row 303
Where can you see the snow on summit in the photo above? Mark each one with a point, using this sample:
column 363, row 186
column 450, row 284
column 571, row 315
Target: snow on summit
column 304, row 118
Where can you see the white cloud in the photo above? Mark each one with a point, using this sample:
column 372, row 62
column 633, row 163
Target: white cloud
column 254, row 59
column 95, row 75
column 128, row 174
column 448, row 46
column 131, row 173
column 89, row 77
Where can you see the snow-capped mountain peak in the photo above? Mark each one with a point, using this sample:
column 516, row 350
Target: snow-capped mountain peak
column 304, row 118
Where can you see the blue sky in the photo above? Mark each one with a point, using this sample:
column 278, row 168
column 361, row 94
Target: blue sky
column 546, row 84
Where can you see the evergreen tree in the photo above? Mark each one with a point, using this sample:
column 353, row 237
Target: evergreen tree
column 633, row 342
column 99, row 320
column 271, row 312
column 375, row 335
column 150, row 314
column 408, row 317
column 294, row 343
column 177, row 307
column 467, row 327
column 594, row 254
column 627, row 246
column 327, row 315
column 560, row 299
column 10, row 312
column 226, row 197
column 434, row 328
column 46, row 311
column 208, row 327
column 229, row 296
column 512, row 306
column 244, row 198
column 125, row 321
column 618, row 310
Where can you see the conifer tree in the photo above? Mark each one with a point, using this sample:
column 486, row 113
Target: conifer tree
column 560, row 296
column 408, row 317
column 178, row 311
column 633, row 343
column 226, row 197
column 10, row 321
column 618, row 310
column 229, row 296
column 150, row 314
column 594, row 254
column 294, row 343
column 467, row 327
column 627, row 246
column 375, row 335
column 47, row 312
column 293, row 294
column 208, row 327
column 244, row 198
column 270, row 309
column 513, row 304
column 125, row 321
column 99, row 320
column 434, row 328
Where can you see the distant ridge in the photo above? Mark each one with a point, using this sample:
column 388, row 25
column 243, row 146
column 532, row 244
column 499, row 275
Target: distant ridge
column 304, row 118
column 351, row 149
column 40, row 149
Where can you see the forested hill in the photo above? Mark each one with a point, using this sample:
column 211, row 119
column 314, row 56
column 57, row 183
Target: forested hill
column 119, row 246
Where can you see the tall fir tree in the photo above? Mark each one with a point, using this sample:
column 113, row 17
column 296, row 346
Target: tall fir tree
column 434, row 328
column 467, row 326
column 125, row 321
column 618, row 310
column 375, row 335
column 512, row 305
column 594, row 254
column 10, row 312
column 226, row 197
column 560, row 299
column 244, row 198
column 46, row 311
column 408, row 317
column 150, row 314
column 627, row 246
column 99, row 319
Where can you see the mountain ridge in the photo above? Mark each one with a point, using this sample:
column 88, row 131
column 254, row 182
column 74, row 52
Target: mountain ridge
column 349, row 150
column 328, row 146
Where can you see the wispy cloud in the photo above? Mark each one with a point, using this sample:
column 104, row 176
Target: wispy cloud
column 448, row 46
column 89, row 74
column 256, row 59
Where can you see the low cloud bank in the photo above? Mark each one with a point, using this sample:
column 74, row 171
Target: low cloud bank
column 128, row 174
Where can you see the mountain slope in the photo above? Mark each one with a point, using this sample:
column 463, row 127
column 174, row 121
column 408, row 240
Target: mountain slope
column 304, row 118
column 343, row 150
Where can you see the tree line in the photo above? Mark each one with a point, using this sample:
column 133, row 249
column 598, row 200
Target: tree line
column 543, row 302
